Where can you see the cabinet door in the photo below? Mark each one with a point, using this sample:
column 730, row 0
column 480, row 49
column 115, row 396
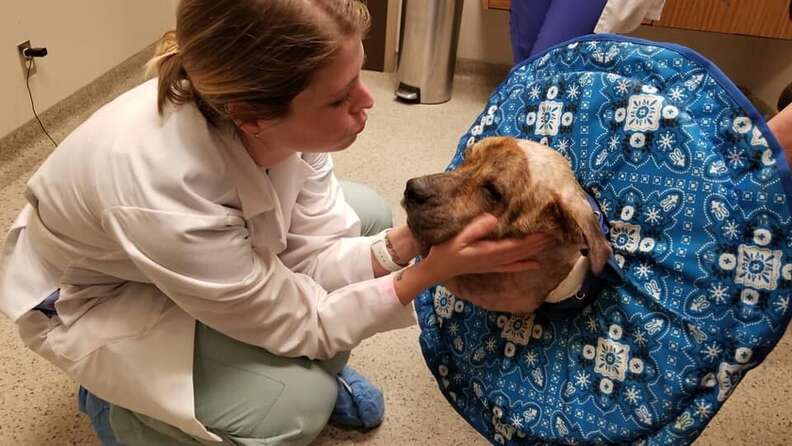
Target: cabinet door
column 374, row 43
column 763, row 18
column 498, row 4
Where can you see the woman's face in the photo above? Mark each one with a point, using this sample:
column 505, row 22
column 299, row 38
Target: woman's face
column 328, row 115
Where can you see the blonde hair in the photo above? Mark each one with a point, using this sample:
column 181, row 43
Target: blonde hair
column 256, row 53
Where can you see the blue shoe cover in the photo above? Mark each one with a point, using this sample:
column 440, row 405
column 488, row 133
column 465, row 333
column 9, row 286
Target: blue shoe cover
column 98, row 411
column 359, row 404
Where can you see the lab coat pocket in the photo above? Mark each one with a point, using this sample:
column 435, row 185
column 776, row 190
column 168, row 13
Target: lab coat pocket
column 131, row 312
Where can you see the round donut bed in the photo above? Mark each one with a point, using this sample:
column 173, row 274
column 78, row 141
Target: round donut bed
column 695, row 190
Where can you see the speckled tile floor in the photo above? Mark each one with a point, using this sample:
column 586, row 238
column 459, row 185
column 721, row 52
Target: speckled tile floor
column 37, row 402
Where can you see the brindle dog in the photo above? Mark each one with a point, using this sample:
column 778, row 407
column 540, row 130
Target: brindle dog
column 529, row 188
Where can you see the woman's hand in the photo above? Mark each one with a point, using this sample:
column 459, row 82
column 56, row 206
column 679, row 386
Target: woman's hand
column 468, row 253
column 781, row 126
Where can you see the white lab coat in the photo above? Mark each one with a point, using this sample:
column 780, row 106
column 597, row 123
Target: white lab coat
column 623, row 16
column 147, row 223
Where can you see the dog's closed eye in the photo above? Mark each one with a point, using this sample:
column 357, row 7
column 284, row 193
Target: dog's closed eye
column 492, row 191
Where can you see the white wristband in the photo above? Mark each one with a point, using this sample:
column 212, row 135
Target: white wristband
column 379, row 248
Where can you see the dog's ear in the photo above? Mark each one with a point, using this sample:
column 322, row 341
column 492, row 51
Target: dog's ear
column 578, row 224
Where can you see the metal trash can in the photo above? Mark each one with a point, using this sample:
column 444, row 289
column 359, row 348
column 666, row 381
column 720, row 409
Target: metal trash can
column 428, row 53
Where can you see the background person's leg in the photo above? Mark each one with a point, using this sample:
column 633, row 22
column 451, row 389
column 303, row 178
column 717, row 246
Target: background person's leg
column 374, row 212
column 566, row 19
column 525, row 22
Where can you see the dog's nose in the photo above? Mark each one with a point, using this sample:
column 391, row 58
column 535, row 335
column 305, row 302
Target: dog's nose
column 416, row 191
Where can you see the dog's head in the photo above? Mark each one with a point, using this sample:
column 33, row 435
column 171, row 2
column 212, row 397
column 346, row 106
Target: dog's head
column 527, row 186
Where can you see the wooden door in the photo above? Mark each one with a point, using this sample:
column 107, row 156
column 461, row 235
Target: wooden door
column 497, row 4
column 374, row 43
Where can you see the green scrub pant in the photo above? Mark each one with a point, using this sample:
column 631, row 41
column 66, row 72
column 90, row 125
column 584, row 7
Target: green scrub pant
column 248, row 396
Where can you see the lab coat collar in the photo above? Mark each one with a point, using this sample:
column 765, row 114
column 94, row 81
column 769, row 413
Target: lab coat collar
column 256, row 194
column 255, row 187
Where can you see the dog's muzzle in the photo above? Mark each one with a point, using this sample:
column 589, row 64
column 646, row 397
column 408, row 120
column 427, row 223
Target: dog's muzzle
column 420, row 200
column 417, row 192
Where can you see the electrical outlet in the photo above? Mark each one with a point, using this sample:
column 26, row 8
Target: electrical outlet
column 24, row 60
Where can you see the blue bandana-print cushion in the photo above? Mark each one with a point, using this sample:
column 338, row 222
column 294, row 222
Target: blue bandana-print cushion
column 695, row 190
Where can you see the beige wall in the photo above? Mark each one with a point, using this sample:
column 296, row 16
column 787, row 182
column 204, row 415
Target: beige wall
column 85, row 39
column 484, row 34
column 88, row 37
